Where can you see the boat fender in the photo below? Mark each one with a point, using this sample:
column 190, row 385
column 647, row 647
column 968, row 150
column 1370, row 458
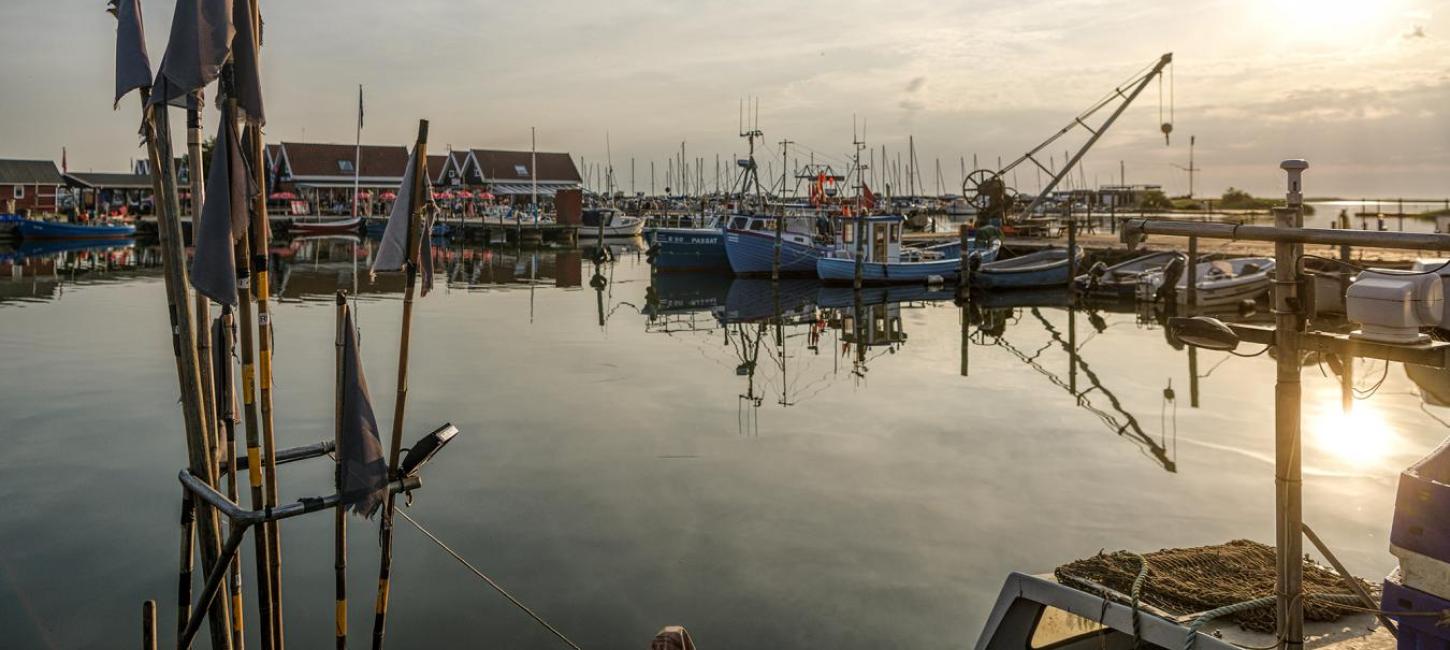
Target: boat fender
column 1095, row 273
column 1247, row 306
column 935, row 280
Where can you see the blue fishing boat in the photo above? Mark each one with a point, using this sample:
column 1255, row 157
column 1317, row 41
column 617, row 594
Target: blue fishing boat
column 35, row 229
column 750, row 243
column 1048, row 268
column 685, row 248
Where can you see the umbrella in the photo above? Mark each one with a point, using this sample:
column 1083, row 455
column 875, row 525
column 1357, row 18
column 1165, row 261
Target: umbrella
column 487, row 196
column 445, row 194
column 364, row 194
column 464, row 194
column 389, row 196
column 281, row 196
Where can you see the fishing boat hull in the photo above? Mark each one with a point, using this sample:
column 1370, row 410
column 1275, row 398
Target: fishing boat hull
column 836, row 270
column 338, row 227
column 32, row 229
column 689, row 249
column 1049, row 268
column 753, row 253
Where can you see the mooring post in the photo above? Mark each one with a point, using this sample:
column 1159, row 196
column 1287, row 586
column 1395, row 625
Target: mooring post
column 1288, row 461
column 964, row 276
column 1071, row 249
column 1192, row 276
column 148, row 625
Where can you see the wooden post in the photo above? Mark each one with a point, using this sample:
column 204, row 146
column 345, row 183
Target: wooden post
column 339, row 520
column 1192, row 274
column 964, row 276
column 157, row 128
column 1288, row 478
column 148, row 625
column 401, row 401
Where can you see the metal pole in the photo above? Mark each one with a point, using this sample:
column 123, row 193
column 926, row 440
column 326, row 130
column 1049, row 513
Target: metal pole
column 1287, row 457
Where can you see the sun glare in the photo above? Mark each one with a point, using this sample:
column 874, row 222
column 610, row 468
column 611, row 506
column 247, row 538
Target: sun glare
column 1326, row 19
column 1361, row 437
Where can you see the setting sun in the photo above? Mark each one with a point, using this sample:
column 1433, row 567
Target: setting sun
column 1361, row 437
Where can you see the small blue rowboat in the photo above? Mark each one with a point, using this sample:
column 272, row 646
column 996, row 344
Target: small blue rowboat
column 946, row 266
column 32, row 229
column 1048, row 268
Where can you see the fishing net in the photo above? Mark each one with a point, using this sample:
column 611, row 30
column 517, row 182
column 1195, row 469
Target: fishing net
column 1189, row 580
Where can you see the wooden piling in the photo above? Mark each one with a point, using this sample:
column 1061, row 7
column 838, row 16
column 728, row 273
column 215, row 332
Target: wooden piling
column 400, row 404
column 1288, row 479
column 148, row 625
column 1071, row 249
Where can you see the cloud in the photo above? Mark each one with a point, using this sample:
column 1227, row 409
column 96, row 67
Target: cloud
column 1417, row 32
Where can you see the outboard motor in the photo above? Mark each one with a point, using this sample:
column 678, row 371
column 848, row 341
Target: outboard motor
column 1096, row 273
column 1171, row 272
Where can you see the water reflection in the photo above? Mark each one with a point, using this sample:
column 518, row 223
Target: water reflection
column 40, row 270
column 1088, row 390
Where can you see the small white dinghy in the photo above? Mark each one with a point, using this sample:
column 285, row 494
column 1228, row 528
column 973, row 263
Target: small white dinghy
column 1220, row 282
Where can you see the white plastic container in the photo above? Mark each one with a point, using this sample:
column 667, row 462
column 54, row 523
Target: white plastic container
column 1391, row 306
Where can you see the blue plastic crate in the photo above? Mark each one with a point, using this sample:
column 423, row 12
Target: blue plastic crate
column 1422, row 507
column 1416, row 632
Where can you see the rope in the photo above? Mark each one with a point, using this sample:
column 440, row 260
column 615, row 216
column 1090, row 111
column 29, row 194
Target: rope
column 1192, row 639
column 1345, row 601
column 1137, row 592
column 489, row 580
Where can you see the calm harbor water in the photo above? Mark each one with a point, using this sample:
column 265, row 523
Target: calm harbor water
column 685, row 449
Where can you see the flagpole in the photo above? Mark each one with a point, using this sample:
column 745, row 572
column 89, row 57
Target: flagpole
column 168, row 208
column 415, row 203
column 357, row 154
column 339, row 520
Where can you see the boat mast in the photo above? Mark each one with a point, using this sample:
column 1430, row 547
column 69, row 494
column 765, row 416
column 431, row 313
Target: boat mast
column 534, row 172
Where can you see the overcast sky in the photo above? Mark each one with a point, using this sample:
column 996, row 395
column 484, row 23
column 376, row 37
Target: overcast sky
column 1359, row 87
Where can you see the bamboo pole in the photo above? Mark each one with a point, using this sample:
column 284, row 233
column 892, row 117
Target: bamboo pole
column 401, row 402
column 254, row 443
column 157, row 128
column 227, row 418
column 196, row 174
column 183, row 575
column 339, row 520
